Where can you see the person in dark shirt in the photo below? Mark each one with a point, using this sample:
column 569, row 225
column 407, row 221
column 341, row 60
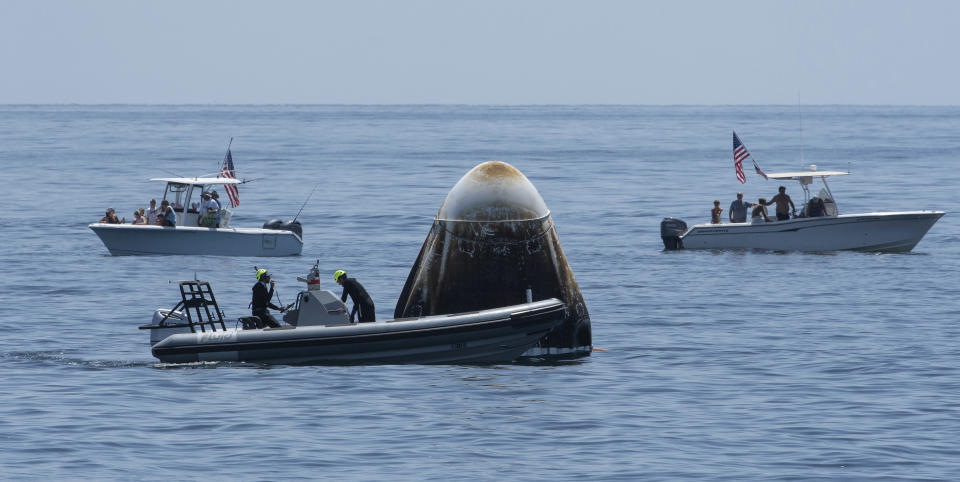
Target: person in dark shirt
column 262, row 297
column 816, row 208
column 111, row 218
column 361, row 300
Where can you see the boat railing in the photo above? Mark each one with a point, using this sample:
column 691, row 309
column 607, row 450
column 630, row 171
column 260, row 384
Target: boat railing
column 198, row 304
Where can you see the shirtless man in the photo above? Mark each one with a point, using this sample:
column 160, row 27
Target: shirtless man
column 782, row 200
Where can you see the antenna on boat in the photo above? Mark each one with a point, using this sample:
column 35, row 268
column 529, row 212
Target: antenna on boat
column 305, row 202
column 171, row 172
column 800, row 121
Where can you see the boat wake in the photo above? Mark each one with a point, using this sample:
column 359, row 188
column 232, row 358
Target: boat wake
column 62, row 358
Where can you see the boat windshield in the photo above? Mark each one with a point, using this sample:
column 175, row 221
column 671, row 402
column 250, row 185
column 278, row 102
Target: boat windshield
column 176, row 194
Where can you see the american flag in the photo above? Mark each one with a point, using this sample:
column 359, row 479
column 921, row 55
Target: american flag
column 228, row 172
column 739, row 154
column 757, row 168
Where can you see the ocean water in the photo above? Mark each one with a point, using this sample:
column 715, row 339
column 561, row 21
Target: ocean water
column 714, row 365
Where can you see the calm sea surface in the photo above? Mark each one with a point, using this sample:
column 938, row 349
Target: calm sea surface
column 716, row 365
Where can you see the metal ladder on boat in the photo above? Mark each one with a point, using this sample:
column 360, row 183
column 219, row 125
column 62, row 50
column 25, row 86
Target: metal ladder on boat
column 200, row 306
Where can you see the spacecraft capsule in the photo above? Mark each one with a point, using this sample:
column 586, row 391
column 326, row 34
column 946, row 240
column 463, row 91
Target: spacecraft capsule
column 493, row 243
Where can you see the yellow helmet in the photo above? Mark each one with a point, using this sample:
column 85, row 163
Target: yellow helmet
column 261, row 273
column 338, row 274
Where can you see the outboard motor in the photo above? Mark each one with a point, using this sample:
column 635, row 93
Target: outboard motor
column 279, row 225
column 670, row 231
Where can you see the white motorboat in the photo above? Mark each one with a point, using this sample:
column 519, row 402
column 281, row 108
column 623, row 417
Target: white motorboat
column 318, row 331
column 878, row 231
column 275, row 238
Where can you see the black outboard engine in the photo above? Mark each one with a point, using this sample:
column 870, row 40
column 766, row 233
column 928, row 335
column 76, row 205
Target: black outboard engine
column 279, row 225
column 670, row 231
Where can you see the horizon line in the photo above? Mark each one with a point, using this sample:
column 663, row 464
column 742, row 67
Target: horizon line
column 437, row 104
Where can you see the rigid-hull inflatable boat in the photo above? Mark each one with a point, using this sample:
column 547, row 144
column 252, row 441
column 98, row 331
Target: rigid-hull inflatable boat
column 318, row 331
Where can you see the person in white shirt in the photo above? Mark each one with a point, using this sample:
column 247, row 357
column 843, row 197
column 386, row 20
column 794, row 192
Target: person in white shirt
column 209, row 208
column 153, row 212
column 209, row 204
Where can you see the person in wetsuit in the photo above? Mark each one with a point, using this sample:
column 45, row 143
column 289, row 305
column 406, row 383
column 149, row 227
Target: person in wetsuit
column 361, row 300
column 262, row 297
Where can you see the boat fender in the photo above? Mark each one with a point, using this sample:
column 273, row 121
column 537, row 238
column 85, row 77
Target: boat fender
column 671, row 229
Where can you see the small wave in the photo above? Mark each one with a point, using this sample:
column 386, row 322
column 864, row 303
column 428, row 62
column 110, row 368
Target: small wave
column 68, row 291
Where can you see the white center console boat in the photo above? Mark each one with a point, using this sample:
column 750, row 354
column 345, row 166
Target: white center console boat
column 276, row 238
column 832, row 231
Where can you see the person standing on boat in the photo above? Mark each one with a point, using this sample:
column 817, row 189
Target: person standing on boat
column 782, row 200
column 262, row 296
column 152, row 213
column 738, row 210
column 216, row 199
column 209, row 208
column 715, row 212
column 361, row 300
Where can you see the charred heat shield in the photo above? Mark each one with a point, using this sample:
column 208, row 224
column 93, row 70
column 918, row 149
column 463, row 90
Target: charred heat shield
column 492, row 240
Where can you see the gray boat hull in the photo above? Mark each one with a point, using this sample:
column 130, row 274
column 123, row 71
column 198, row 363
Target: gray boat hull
column 490, row 336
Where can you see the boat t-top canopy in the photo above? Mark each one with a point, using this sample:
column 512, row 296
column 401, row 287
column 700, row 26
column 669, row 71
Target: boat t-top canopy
column 197, row 180
column 805, row 177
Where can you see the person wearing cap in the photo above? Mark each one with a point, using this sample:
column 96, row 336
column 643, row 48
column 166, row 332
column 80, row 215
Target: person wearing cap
column 209, row 209
column 111, row 218
column 216, row 198
column 738, row 210
column 361, row 300
column 816, row 207
column 262, row 296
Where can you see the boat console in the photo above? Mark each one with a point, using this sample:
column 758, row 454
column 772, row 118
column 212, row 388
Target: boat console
column 316, row 306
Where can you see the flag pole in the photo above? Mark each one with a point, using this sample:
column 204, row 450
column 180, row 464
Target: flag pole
column 224, row 161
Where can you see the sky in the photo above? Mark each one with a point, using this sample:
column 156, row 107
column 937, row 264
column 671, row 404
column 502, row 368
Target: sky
column 480, row 52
